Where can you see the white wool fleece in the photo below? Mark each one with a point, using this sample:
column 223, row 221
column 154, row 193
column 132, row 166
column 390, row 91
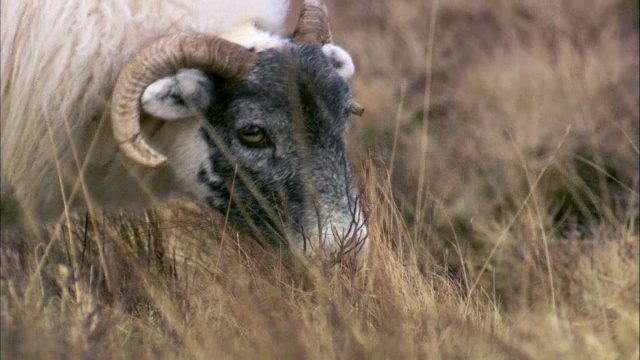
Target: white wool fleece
column 59, row 63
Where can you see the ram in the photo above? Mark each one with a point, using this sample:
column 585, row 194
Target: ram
column 129, row 103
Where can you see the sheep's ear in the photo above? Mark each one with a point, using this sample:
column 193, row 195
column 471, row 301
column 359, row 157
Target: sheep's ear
column 180, row 96
column 340, row 59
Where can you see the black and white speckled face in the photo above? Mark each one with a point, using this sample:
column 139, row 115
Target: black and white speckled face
column 276, row 155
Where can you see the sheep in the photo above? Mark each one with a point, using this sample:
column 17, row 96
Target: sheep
column 130, row 103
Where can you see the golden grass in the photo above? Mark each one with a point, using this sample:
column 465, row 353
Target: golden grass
column 499, row 164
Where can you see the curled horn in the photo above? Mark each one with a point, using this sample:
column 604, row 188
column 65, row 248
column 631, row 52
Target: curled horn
column 313, row 25
column 313, row 28
column 162, row 58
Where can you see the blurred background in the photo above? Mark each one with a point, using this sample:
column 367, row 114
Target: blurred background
column 484, row 113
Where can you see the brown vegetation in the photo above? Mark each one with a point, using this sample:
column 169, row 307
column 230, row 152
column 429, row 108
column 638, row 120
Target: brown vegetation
column 498, row 158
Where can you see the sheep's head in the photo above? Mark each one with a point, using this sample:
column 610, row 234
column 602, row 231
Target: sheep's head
column 273, row 123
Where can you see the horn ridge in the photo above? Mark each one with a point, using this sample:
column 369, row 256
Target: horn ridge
column 160, row 59
column 313, row 26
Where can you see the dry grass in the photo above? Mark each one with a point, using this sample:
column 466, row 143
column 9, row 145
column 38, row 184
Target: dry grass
column 499, row 162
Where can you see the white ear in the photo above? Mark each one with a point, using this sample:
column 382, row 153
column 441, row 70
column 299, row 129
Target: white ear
column 340, row 59
column 179, row 96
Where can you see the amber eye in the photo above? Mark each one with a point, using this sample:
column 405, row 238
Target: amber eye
column 253, row 136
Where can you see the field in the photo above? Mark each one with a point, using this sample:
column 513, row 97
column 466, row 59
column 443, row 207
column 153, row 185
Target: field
column 498, row 162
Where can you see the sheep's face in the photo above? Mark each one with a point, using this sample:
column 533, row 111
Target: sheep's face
column 276, row 161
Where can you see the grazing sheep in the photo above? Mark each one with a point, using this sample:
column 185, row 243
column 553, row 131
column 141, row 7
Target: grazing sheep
column 129, row 103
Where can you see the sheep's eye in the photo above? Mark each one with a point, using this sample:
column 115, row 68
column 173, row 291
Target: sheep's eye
column 253, row 136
